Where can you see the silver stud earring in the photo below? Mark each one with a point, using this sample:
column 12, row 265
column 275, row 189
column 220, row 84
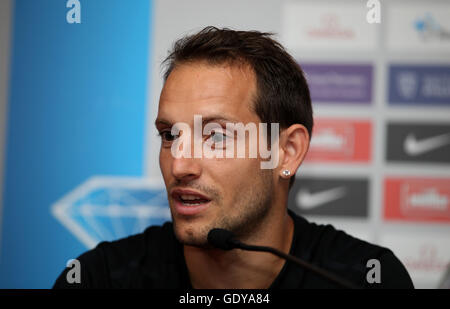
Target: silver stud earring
column 286, row 173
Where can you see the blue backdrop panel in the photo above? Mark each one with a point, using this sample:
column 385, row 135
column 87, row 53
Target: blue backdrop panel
column 77, row 108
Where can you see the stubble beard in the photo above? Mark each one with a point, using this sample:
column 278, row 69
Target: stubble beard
column 253, row 208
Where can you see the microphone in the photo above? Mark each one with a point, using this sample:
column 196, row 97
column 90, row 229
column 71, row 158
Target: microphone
column 225, row 240
column 222, row 239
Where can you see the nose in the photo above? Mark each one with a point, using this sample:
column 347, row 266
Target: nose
column 184, row 166
column 186, row 169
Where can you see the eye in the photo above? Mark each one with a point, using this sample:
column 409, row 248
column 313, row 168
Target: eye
column 166, row 136
column 217, row 138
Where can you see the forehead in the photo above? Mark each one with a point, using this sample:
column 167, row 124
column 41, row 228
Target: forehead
column 201, row 88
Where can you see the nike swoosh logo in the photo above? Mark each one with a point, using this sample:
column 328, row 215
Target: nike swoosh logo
column 307, row 200
column 414, row 147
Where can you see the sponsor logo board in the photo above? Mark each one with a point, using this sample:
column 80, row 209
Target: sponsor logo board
column 419, row 85
column 342, row 197
column 418, row 142
column 426, row 257
column 417, row 199
column 340, row 140
column 310, row 26
column 339, row 83
column 419, row 27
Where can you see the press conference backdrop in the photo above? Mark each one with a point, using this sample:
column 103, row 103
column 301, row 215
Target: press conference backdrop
column 78, row 151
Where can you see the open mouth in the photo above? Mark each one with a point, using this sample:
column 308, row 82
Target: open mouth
column 189, row 198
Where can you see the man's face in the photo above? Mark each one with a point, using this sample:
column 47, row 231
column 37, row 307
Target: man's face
column 231, row 193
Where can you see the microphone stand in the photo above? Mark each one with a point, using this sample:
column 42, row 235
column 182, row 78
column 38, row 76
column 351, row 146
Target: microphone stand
column 311, row 267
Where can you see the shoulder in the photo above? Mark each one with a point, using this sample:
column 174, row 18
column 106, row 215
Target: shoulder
column 350, row 257
column 121, row 262
column 153, row 242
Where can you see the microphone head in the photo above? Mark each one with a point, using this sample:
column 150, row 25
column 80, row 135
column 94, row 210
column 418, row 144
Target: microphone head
column 222, row 239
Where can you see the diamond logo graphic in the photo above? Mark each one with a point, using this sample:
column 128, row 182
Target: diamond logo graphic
column 110, row 208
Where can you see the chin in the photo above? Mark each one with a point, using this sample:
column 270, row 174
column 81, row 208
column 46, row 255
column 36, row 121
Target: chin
column 190, row 235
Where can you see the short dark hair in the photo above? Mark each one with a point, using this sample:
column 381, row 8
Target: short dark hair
column 282, row 91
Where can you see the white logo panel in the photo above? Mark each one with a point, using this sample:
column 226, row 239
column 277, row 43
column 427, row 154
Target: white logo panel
column 419, row 27
column 330, row 27
column 425, row 257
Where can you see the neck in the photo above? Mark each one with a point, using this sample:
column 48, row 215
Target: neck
column 242, row 269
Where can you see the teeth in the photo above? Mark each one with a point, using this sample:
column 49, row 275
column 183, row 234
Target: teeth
column 191, row 204
column 189, row 197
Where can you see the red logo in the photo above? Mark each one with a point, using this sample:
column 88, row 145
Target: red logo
column 331, row 28
column 415, row 199
column 426, row 259
column 340, row 140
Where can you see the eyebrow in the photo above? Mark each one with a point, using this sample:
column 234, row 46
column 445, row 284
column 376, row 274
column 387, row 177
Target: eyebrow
column 207, row 119
column 160, row 121
column 219, row 118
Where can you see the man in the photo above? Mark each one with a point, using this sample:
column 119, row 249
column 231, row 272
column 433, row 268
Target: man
column 222, row 77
